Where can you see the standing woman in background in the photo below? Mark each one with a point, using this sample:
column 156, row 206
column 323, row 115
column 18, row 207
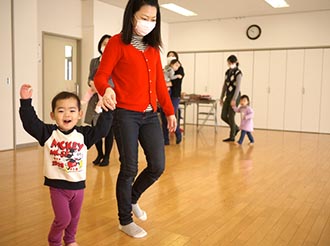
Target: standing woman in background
column 132, row 59
column 91, row 114
column 176, row 87
column 230, row 96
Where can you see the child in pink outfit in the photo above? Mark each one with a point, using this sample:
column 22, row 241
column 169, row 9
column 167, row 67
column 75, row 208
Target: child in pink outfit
column 247, row 113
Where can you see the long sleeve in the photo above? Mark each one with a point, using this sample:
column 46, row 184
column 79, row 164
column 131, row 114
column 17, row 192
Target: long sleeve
column 100, row 130
column 172, row 75
column 177, row 83
column 162, row 92
column 32, row 124
column 249, row 114
column 236, row 109
column 110, row 57
column 238, row 86
column 92, row 69
column 223, row 92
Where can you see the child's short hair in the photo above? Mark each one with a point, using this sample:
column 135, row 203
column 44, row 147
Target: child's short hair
column 174, row 61
column 65, row 95
column 246, row 97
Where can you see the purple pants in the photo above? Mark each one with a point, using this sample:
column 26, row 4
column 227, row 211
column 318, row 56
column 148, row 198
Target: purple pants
column 66, row 205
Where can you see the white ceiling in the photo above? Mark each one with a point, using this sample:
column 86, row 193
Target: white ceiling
column 221, row 9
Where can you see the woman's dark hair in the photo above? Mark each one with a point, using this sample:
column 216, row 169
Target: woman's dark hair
column 65, row 95
column 245, row 97
column 174, row 53
column 232, row 59
column 154, row 37
column 105, row 36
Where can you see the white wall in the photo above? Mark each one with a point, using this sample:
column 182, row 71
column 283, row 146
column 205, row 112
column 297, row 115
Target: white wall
column 107, row 20
column 60, row 17
column 278, row 31
column 25, row 57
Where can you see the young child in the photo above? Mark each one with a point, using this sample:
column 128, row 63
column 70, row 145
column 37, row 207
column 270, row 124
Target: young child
column 65, row 157
column 247, row 113
column 169, row 72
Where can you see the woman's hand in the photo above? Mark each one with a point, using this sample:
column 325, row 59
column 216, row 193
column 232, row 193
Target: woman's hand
column 171, row 123
column 221, row 102
column 233, row 103
column 109, row 99
column 26, row 91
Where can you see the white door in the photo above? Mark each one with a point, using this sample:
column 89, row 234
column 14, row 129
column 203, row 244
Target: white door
column 312, row 90
column 293, row 91
column 216, row 77
column 245, row 59
column 201, row 73
column 215, row 72
column 6, row 85
column 325, row 98
column 188, row 86
column 59, row 69
column 261, row 88
column 276, row 103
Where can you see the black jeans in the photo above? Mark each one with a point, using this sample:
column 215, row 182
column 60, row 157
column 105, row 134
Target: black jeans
column 228, row 116
column 131, row 127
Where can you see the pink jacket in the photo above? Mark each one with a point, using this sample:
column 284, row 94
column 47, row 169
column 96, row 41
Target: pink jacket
column 246, row 117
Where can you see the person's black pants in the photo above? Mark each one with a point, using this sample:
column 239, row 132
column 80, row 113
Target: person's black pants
column 228, row 116
column 131, row 127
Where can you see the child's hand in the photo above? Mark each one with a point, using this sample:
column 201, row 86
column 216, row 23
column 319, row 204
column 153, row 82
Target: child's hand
column 26, row 91
column 179, row 76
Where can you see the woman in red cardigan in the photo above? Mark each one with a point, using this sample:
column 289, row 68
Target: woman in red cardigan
column 132, row 59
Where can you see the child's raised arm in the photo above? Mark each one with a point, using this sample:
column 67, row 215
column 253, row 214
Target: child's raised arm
column 26, row 91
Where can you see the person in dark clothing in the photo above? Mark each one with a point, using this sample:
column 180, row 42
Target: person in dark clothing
column 102, row 158
column 230, row 96
column 176, row 88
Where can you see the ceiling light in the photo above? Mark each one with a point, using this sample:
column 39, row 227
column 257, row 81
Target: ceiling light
column 278, row 3
column 177, row 9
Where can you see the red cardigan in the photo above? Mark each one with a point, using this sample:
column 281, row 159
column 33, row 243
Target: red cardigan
column 137, row 76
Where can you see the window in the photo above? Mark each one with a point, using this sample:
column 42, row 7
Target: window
column 68, row 62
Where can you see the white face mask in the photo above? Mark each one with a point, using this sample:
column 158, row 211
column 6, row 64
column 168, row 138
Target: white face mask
column 143, row 27
column 102, row 49
column 232, row 66
column 169, row 59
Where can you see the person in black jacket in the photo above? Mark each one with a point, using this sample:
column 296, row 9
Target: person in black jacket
column 65, row 157
column 176, row 87
column 230, row 96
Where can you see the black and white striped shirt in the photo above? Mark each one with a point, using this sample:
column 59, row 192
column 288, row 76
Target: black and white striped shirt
column 137, row 42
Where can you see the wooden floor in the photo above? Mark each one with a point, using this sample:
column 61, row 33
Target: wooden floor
column 212, row 193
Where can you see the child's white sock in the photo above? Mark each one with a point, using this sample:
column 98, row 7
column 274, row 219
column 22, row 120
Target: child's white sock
column 138, row 212
column 133, row 230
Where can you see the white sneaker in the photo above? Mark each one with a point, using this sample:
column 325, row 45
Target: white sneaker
column 133, row 230
column 139, row 213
